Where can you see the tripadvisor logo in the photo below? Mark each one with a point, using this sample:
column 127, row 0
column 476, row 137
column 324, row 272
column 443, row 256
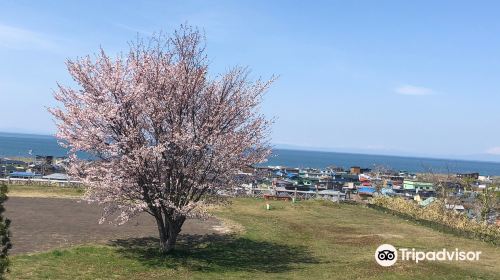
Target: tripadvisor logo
column 387, row 255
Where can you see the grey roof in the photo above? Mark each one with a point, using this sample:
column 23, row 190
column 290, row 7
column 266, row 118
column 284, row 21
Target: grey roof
column 56, row 176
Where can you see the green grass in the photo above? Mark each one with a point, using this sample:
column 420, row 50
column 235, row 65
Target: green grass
column 307, row 240
column 45, row 191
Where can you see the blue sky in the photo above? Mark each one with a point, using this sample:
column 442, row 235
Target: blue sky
column 390, row 77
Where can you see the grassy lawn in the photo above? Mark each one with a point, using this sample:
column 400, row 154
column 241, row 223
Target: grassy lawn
column 307, row 240
column 45, row 191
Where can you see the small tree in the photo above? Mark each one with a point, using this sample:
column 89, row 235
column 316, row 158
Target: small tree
column 467, row 183
column 487, row 201
column 377, row 172
column 166, row 136
column 441, row 182
column 5, row 244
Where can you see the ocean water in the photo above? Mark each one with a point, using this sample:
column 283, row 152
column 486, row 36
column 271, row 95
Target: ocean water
column 13, row 144
column 315, row 159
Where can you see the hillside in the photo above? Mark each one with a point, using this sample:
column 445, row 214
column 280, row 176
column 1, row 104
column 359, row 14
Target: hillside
column 307, row 240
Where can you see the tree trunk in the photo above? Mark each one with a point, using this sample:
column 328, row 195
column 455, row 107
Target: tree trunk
column 169, row 230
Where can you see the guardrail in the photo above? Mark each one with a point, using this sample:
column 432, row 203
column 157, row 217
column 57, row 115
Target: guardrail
column 37, row 181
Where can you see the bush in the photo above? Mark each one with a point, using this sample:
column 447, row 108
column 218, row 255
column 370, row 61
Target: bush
column 437, row 216
column 5, row 244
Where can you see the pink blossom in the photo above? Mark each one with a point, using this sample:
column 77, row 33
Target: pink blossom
column 165, row 135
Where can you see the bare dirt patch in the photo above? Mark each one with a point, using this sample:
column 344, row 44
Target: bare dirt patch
column 40, row 224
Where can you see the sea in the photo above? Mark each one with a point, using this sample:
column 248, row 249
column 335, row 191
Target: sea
column 20, row 145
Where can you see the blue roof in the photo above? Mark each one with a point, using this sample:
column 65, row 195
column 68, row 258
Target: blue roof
column 366, row 190
column 23, row 174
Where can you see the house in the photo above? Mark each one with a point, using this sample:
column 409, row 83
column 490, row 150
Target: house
column 474, row 175
column 458, row 208
column 331, row 195
column 6, row 161
column 365, row 170
column 39, row 159
column 24, row 175
column 336, row 169
column 486, row 179
column 356, row 170
column 282, row 183
column 417, row 186
column 366, row 191
column 263, row 171
column 325, row 183
column 56, row 177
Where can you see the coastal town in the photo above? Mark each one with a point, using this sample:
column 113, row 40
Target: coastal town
column 462, row 191
column 37, row 169
column 249, row 140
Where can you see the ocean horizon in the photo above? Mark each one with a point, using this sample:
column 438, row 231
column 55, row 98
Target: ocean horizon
column 19, row 145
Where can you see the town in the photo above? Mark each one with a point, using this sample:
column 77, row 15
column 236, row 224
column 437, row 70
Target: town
column 36, row 170
column 460, row 190
column 249, row 140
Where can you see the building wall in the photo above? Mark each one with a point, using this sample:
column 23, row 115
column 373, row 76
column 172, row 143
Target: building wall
column 414, row 185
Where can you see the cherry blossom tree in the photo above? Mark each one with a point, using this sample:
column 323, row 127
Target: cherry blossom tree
column 166, row 137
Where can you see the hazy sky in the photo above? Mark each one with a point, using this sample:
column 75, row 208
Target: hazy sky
column 407, row 77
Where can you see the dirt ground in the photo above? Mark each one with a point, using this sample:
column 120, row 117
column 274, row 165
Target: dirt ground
column 40, row 224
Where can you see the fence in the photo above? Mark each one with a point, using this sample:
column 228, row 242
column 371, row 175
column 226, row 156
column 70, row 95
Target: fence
column 24, row 181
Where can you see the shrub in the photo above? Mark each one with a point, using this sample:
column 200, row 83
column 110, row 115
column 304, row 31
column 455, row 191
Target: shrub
column 438, row 217
column 5, row 244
